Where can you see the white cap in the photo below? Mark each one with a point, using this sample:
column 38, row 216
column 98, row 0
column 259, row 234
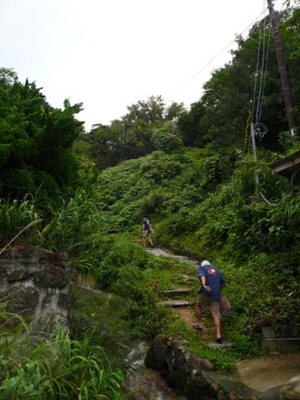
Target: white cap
column 205, row 262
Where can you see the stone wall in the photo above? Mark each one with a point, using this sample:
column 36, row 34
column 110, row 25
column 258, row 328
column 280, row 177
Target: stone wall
column 34, row 284
column 285, row 339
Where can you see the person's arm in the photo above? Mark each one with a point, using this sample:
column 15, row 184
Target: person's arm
column 203, row 283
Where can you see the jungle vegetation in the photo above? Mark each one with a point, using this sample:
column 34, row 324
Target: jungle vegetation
column 192, row 172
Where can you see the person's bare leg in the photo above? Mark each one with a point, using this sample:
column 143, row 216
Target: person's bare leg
column 199, row 314
column 217, row 323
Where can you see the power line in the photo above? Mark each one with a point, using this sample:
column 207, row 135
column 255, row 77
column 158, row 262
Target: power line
column 225, row 48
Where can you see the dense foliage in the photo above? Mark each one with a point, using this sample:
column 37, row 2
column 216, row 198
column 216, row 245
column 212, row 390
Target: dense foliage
column 192, row 173
column 56, row 368
column 36, row 140
column 147, row 126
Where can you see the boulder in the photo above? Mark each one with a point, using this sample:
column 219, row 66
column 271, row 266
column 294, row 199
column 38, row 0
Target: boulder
column 291, row 392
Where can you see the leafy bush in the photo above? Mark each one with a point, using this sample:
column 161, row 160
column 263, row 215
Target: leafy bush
column 160, row 169
column 118, row 257
column 140, row 306
column 163, row 139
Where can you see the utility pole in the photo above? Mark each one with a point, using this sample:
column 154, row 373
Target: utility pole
column 287, row 93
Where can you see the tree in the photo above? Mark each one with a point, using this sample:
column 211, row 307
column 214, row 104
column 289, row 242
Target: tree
column 131, row 136
column 36, row 139
column 189, row 125
column 230, row 101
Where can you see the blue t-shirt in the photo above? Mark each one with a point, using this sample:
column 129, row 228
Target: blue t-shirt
column 213, row 279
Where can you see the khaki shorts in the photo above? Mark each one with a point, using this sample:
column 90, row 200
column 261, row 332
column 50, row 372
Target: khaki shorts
column 219, row 308
column 146, row 234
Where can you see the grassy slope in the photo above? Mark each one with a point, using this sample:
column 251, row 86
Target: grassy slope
column 203, row 204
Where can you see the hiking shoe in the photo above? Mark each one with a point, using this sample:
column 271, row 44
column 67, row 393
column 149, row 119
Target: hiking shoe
column 218, row 340
column 198, row 326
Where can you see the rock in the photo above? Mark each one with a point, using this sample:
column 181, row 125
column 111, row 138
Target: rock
column 53, row 276
column 22, row 302
column 183, row 369
column 18, row 275
column 2, row 276
column 196, row 378
column 156, row 355
column 34, row 285
column 291, row 392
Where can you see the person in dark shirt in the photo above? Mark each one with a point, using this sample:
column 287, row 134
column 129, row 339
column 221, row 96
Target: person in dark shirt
column 210, row 296
column 146, row 231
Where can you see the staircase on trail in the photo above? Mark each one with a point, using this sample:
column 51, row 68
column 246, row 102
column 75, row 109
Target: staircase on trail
column 179, row 299
column 185, row 310
column 175, row 297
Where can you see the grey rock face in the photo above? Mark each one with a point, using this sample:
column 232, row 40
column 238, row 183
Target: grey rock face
column 34, row 283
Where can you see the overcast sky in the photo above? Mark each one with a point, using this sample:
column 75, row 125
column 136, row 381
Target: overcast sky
column 108, row 54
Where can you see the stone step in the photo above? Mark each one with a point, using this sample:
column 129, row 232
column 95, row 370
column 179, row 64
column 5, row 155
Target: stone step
column 189, row 278
column 223, row 345
column 176, row 303
column 177, row 292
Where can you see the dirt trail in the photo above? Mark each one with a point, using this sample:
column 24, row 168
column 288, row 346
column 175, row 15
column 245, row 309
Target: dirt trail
column 187, row 315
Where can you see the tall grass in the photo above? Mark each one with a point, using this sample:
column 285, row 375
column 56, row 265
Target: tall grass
column 77, row 228
column 56, row 368
column 15, row 216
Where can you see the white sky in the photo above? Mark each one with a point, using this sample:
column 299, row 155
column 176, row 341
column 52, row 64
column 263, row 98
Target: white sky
column 109, row 54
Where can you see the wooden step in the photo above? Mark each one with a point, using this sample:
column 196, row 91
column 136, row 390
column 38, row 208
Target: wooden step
column 176, row 303
column 177, row 292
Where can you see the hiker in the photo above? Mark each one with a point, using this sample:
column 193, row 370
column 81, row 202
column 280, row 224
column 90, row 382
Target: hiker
column 210, row 296
column 146, row 231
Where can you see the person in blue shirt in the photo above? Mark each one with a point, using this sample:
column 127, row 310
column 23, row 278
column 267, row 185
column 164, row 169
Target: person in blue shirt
column 210, row 296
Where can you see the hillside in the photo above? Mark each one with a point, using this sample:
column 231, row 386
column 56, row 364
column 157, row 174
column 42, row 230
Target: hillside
column 193, row 174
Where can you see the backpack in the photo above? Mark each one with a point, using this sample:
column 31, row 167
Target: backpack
column 147, row 225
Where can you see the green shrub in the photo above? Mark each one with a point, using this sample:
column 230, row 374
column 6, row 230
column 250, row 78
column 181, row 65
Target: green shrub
column 59, row 368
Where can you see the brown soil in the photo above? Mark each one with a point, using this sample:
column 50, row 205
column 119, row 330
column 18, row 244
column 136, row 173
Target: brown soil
column 187, row 315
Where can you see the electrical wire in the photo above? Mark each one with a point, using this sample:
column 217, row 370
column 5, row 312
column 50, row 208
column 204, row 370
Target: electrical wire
column 263, row 72
column 267, row 201
column 229, row 44
column 260, row 130
column 255, row 75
